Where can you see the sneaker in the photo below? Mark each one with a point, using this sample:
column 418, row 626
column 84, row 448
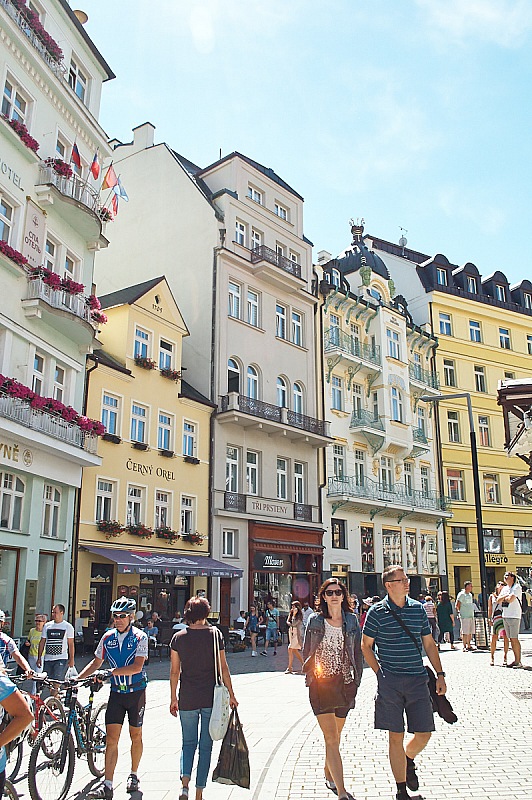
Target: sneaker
column 412, row 781
column 264, row 653
column 102, row 792
column 253, row 653
column 288, row 672
column 132, row 784
column 184, row 793
column 331, row 786
column 275, row 652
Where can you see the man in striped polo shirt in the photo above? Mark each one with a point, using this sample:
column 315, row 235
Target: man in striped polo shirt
column 402, row 683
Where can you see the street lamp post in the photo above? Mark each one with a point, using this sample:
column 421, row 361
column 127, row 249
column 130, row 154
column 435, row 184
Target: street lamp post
column 476, row 487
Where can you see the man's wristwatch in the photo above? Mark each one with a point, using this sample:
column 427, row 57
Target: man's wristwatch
column 440, row 674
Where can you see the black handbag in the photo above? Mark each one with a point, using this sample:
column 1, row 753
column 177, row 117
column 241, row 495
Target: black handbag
column 233, row 762
column 331, row 692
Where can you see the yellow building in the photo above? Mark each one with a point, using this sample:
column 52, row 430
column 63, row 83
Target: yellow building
column 484, row 328
column 144, row 515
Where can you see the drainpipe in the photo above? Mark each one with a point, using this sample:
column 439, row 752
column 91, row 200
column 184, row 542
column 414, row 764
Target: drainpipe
column 323, row 291
column 77, row 508
column 213, row 398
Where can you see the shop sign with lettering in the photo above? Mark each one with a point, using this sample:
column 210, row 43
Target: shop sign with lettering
column 148, row 469
column 11, row 453
column 494, row 560
column 272, row 561
column 34, row 235
column 269, row 508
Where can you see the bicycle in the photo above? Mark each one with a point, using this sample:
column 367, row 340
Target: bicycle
column 44, row 711
column 51, row 764
column 9, row 791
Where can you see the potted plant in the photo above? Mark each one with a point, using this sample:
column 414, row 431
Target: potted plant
column 145, row 363
column 110, row 527
column 171, row 374
column 59, row 166
column 166, row 533
column 140, row 530
column 23, row 133
column 99, row 317
column 192, row 538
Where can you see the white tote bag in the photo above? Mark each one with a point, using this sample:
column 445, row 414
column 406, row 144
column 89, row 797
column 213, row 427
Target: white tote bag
column 220, row 703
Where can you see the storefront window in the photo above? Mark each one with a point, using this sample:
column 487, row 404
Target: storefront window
column 411, row 552
column 273, row 586
column 45, row 584
column 391, row 547
column 429, row 554
column 8, row 570
column 368, row 552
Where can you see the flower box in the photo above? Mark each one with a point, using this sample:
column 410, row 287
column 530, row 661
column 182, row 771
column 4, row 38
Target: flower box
column 191, row 460
column 167, row 534
column 145, row 363
column 36, row 26
column 111, row 437
column 13, row 254
column 166, row 453
column 140, row 445
column 192, row 538
column 99, row 317
column 22, row 133
column 171, row 374
column 59, row 166
column 139, row 530
column 111, row 528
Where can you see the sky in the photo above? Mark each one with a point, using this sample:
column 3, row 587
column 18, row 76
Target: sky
column 412, row 114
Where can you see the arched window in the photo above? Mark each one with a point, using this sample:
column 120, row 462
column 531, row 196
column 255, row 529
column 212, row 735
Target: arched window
column 233, row 376
column 298, row 398
column 252, row 385
column 282, row 393
column 397, row 405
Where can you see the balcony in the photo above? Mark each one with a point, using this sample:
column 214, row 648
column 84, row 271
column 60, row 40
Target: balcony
column 266, row 507
column 366, row 493
column 56, row 65
column 337, row 341
column 81, row 207
column 360, row 418
column 60, row 309
column 276, row 269
column 273, row 420
column 423, row 376
column 419, row 436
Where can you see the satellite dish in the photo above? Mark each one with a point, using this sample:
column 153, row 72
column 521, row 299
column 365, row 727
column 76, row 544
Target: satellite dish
column 403, row 241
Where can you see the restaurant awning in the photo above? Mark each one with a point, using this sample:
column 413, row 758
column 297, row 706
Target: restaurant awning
column 145, row 562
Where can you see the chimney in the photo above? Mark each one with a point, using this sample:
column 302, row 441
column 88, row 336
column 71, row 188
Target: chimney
column 143, row 136
column 324, row 257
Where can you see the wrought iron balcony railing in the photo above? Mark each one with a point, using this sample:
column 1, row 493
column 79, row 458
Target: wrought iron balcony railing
column 45, row 422
column 425, row 376
column 391, row 494
column 57, row 298
column 263, row 253
column 365, row 419
column 267, row 411
column 419, row 435
column 72, row 187
column 257, row 408
column 335, row 339
column 309, row 424
column 57, row 66
column 235, row 502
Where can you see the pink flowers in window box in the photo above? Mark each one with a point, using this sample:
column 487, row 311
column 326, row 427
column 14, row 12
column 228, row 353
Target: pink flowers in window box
column 99, row 317
column 35, row 24
column 13, row 254
column 171, row 374
column 60, row 166
column 23, row 133
column 93, row 303
column 110, row 527
column 72, row 287
column 145, row 363
column 140, row 530
column 55, row 281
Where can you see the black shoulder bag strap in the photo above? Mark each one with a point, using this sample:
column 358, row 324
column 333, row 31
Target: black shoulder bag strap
column 407, row 630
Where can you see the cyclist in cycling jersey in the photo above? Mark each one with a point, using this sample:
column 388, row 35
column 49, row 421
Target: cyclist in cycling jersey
column 126, row 648
column 8, row 647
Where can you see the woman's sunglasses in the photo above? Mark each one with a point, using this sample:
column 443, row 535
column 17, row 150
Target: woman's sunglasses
column 330, row 592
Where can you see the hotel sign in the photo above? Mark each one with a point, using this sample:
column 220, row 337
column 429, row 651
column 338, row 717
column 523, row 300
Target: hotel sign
column 34, row 239
column 269, row 508
column 12, row 454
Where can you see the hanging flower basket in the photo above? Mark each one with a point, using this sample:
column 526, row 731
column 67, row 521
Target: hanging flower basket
column 193, row 538
column 13, row 254
column 23, row 133
column 145, row 363
column 59, row 166
column 139, row 530
column 111, row 528
column 167, row 534
column 171, row 374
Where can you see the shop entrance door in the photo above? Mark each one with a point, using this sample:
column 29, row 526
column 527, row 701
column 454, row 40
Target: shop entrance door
column 225, row 601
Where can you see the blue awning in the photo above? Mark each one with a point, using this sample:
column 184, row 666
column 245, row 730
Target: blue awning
column 146, row 562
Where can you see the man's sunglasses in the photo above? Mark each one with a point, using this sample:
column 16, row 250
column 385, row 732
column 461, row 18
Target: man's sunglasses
column 120, row 616
column 330, row 592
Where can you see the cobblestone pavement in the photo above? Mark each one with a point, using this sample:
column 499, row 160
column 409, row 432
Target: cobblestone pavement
column 286, row 749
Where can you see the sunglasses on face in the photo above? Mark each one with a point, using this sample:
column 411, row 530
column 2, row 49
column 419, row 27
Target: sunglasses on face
column 330, row 592
column 120, row 616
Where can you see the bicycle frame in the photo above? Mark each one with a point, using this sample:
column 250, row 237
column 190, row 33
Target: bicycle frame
column 73, row 723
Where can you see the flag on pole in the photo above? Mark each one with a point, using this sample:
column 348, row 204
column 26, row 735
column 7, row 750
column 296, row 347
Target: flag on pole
column 75, row 156
column 95, row 166
column 110, row 179
column 120, row 191
column 114, row 204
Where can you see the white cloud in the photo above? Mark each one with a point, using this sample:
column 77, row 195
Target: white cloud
column 467, row 206
column 503, row 22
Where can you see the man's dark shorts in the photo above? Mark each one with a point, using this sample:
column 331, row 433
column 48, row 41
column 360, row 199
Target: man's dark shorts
column 400, row 693
column 132, row 704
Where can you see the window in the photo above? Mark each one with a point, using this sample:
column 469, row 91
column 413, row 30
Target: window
column 421, row 422
column 459, row 539
column 334, row 329
column 504, row 338
column 37, row 382
column 282, row 393
column 52, row 505
column 280, row 249
column 281, row 211
column 517, row 500
column 11, row 497
column 386, row 472
column 234, row 300
column 59, row 383
column 164, row 431
column 6, row 219
column 492, row 540
column 491, row 488
column 255, row 195
column 233, row 376
column 523, row 542
column 77, row 80
column 355, row 338
column 61, row 148
column 162, row 509
column 240, row 233
column 335, row 278
column 337, row 393
column 375, row 404
column 50, row 255
column 445, row 324
column 441, row 276
column 453, row 426
column 475, row 333
column 338, row 461
column 500, row 292
column 299, row 482
column 529, row 344
column 189, row 438
column 360, row 467
column 69, row 267
column 138, row 422
column 188, row 508
column 252, row 383
column 449, row 374
column 253, row 308
column 280, row 321
column 425, row 481
column 229, row 539
column 256, row 239
column 357, row 398
column 510, row 376
column 338, row 530
column 397, row 405
column 471, row 284
column 455, row 484
column 232, row 469
column 484, row 431
column 142, row 343
column 166, row 351
column 252, row 472
column 391, row 547
column 110, row 413
column 105, row 499
column 480, row 379
column 298, row 398
column 297, row 328
column 294, row 257
column 135, row 504
column 527, row 300
column 15, row 104
column 282, row 483
column 394, row 350
column 408, row 478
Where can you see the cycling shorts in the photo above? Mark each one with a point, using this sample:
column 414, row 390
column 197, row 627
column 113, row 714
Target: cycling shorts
column 132, row 704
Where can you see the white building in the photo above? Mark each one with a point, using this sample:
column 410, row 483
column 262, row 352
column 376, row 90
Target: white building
column 230, row 240
column 50, row 228
column 380, row 501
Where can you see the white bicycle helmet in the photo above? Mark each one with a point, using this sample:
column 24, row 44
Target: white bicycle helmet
column 124, row 604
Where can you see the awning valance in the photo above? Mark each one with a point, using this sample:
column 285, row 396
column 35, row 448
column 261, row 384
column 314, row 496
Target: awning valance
column 145, row 562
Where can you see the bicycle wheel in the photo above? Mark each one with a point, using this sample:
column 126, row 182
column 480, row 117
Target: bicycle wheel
column 9, row 791
column 46, row 781
column 14, row 760
column 51, row 711
column 96, row 741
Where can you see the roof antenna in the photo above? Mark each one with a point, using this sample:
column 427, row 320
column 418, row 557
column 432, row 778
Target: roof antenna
column 220, row 153
column 403, row 240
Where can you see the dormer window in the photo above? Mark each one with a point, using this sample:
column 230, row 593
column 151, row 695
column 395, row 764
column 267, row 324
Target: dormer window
column 471, row 284
column 375, row 294
column 441, row 276
column 335, row 278
column 527, row 299
column 500, row 292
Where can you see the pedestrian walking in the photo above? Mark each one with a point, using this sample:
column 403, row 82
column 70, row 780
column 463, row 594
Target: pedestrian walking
column 126, row 649
column 332, row 663
column 526, row 611
column 399, row 627
column 295, row 634
column 252, row 627
column 430, row 610
column 271, row 617
column 465, row 607
column 57, row 645
column 510, row 598
column 445, row 616
column 9, row 648
column 193, row 668
column 20, row 714
column 497, row 625
column 307, row 613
